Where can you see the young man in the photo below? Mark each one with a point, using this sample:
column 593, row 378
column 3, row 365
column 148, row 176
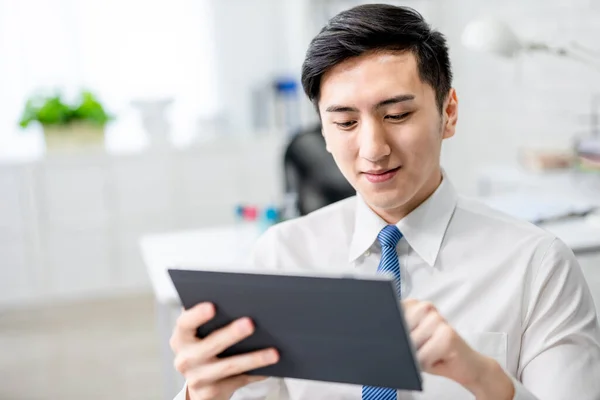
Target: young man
column 498, row 308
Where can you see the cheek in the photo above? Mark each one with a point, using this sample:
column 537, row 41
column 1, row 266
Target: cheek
column 341, row 146
column 344, row 154
column 420, row 144
column 423, row 146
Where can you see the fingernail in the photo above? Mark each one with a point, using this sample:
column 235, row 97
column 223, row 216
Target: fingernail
column 271, row 356
column 244, row 324
column 206, row 308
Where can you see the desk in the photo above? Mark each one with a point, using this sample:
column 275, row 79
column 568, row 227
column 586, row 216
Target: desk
column 210, row 248
column 582, row 236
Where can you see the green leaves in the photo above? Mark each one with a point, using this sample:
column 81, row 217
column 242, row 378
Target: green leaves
column 91, row 110
column 53, row 110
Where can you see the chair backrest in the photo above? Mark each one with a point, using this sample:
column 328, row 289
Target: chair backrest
column 312, row 174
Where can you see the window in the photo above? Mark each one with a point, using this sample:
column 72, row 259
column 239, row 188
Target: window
column 121, row 49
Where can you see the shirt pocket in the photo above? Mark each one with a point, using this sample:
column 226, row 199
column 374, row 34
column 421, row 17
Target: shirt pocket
column 491, row 344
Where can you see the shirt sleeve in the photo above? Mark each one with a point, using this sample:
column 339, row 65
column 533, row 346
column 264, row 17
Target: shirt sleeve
column 263, row 390
column 521, row 392
column 264, row 252
column 181, row 395
column 560, row 344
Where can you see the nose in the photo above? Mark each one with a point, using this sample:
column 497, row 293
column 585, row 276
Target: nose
column 373, row 143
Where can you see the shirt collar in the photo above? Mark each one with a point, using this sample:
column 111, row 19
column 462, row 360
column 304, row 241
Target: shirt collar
column 424, row 228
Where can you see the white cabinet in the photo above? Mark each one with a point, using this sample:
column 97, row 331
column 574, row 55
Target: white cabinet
column 265, row 169
column 207, row 188
column 70, row 224
column 74, row 193
column 77, row 262
column 16, row 283
column 143, row 186
column 17, row 238
column 11, row 204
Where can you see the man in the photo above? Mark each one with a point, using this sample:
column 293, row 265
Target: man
column 497, row 308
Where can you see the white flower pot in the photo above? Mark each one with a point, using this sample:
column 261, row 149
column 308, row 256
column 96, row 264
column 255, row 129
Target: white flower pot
column 73, row 137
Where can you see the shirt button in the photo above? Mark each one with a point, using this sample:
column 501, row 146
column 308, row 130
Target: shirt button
column 367, row 253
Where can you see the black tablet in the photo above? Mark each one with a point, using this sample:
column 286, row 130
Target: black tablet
column 348, row 330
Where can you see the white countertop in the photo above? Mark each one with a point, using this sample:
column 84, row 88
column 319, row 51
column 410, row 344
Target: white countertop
column 218, row 248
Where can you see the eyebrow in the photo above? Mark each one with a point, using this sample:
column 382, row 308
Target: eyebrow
column 393, row 100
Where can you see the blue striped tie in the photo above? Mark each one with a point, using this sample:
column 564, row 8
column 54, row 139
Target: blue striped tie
column 388, row 238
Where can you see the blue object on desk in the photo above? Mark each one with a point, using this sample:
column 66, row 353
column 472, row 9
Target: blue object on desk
column 239, row 212
column 269, row 218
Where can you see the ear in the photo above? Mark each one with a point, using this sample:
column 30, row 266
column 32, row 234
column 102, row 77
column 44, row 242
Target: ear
column 450, row 115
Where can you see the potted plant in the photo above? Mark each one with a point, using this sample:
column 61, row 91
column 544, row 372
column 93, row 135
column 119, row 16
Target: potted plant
column 68, row 125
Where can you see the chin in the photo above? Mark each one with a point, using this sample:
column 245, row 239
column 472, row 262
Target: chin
column 385, row 201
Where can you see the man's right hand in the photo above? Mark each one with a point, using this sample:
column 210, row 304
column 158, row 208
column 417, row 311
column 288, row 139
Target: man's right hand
column 209, row 377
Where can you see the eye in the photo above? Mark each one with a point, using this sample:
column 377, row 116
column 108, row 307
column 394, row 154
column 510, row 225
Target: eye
column 398, row 117
column 345, row 125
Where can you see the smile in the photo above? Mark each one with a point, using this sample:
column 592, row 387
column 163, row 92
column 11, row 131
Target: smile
column 381, row 176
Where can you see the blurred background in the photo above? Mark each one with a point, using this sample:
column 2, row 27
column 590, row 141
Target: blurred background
column 137, row 135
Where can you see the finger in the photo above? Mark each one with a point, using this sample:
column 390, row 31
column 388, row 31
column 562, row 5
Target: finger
column 191, row 319
column 223, row 338
column 423, row 332
column 234, row 365
column 437, row 348
column 409, row 302
column 222, row 388
column 414, row 314
column 188, row 323
column 198, row 353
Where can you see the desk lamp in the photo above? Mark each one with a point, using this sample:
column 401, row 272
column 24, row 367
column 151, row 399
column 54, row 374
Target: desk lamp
column 497, row 37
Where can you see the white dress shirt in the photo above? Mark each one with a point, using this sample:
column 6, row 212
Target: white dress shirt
column 513, row 291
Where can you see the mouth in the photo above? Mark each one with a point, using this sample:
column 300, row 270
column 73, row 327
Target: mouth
column 379, row 176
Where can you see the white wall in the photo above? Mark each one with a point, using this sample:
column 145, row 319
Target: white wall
column 299, row 27
column 539, row 101
column 249, row 52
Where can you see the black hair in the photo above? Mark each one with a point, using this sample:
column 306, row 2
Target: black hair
column 378, row 27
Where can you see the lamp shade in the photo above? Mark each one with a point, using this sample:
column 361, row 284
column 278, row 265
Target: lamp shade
column 492, row 36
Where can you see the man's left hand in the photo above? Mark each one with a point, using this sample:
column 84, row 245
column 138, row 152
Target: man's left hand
column 441, row 351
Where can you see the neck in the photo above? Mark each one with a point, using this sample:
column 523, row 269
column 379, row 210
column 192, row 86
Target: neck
column 393, row 216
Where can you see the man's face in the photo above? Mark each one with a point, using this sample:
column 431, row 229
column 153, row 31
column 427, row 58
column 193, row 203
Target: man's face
column 384, row 129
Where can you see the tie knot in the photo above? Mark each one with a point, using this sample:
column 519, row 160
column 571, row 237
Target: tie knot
column 389, row 236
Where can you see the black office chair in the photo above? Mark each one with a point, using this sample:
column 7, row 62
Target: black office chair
column 311, row 172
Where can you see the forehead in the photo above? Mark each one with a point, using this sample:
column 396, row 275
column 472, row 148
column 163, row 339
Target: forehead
column 370, row 78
